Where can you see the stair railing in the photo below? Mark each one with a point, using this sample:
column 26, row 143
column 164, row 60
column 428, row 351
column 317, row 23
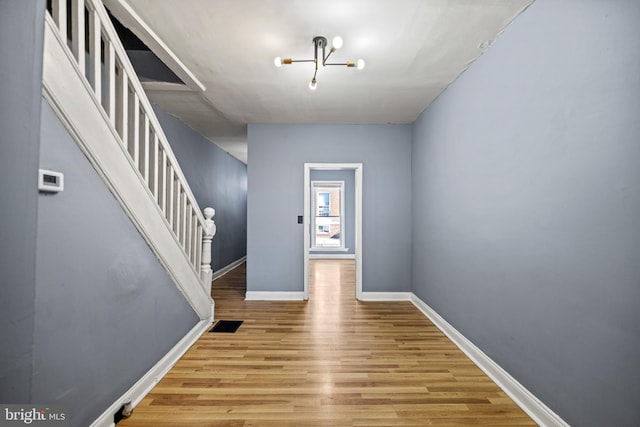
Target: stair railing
column 98, row 52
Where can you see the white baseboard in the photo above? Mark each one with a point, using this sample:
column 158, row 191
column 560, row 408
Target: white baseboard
column 274, row 296
column 386, row 296
column 224, row 270
column 530, row 404
column 332, row 256
column 144, row 385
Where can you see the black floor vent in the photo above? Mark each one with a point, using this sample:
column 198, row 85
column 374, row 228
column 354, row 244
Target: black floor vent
column 228, row 326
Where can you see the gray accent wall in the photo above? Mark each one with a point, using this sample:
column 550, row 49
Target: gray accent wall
column 277, row 154
column 218, row 180
column 21, row 43
column 526, row 206
column 349, row 179
column 106, row 310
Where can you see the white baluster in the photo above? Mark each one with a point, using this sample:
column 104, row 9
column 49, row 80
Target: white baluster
column 77, row 31
column 206, row 273
column 155, row 150
column 110, row 80
column 170, row 195
column 134, row 147
column 143, row 150
column 123, row 89
column 162, row 176
column 95, row 52
column 199, row 237
column 60, row 16
column 188, row 234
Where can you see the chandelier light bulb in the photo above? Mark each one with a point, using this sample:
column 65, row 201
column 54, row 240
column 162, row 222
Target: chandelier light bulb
column 313, row 84
column 337, row 42
column 360, row 64
column 278, row 62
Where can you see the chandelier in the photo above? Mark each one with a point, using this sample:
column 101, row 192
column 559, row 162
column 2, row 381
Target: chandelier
column 319, row 52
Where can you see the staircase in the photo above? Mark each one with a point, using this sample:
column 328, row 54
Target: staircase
column 90, row 83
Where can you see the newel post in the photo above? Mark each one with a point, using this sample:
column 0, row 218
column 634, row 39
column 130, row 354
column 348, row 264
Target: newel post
column 206, row 273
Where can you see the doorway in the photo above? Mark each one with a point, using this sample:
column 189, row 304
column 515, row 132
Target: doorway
column 308, row 192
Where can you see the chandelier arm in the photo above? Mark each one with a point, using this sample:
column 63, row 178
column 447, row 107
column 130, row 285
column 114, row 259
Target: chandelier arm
column 324, row 61
column 348, row 64
column 303, row 60
column 315, row 73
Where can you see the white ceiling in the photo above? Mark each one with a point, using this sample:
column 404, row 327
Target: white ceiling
column 413, row 50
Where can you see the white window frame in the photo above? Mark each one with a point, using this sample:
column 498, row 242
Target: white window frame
column 316, row 187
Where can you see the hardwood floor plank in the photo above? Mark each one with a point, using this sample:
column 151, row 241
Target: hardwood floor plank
column 329, row 361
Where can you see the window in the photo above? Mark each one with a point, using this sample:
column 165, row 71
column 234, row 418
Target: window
column 323, row 206
column 328, row 215
column 323, row 229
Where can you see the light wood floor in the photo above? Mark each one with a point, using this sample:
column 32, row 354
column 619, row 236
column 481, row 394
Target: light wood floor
column 331, row 361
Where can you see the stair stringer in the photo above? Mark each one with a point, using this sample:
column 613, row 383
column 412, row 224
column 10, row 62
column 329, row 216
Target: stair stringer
column 71, row 97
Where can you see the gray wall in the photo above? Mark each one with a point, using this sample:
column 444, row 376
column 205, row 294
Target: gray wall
column 526, row 189
column 21, row 38
column 218, row 180
column 106, row 310
column 349, row 178
column 277, row 154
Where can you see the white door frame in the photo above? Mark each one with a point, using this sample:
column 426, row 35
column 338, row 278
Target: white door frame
column 357, row 167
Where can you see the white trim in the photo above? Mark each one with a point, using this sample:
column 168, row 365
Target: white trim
column 332, row 256
column 529, row 403
column 125, row 14
column 74, row 103
column 357, row 167
column 165, row 87
column 328, row 250
column 145, row 384
column 386, row 296
column 273, row 296
column 224, row 270
column 306, row 209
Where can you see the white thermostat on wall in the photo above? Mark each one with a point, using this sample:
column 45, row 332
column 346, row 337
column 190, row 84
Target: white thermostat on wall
column 50, row 181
